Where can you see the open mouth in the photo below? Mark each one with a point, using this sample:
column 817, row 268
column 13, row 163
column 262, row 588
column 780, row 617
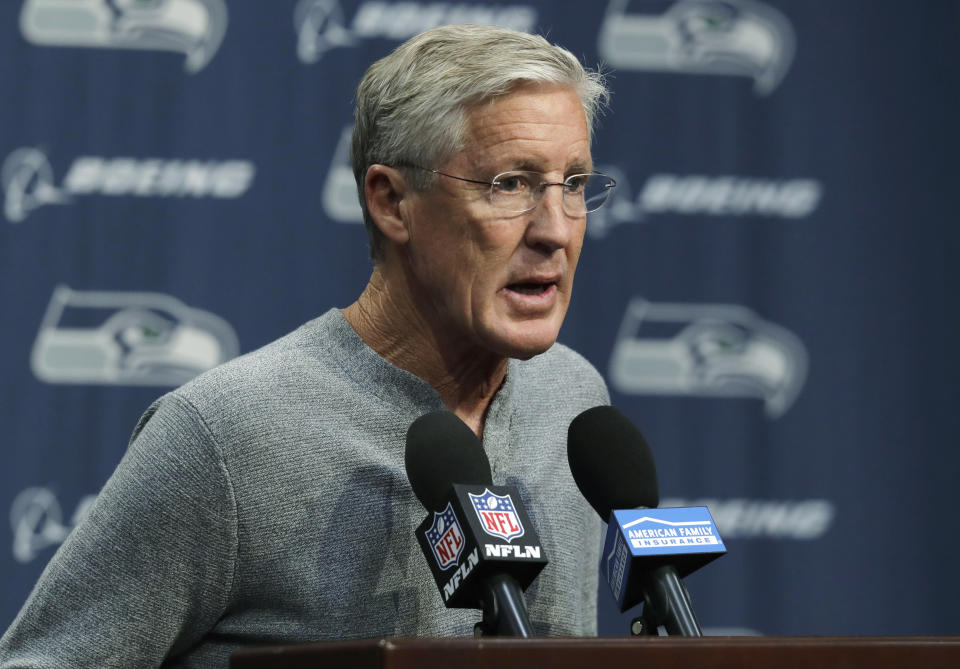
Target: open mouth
column 530, row 288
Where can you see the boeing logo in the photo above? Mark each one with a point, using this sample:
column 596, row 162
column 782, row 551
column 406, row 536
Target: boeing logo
column 192, row 27
column 28, row 180
column 719, row 37
column 36, row 519
column 127, row 338
column 321, row 24
column 800, row 520
column 702, row 195
column 340, row 199
column 707, row 350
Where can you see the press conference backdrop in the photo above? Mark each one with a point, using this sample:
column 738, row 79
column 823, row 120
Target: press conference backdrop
column 771, row 295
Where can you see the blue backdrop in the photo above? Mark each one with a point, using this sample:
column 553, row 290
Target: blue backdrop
column 771, row 296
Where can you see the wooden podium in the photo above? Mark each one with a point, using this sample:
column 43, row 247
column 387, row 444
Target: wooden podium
column 647, row 652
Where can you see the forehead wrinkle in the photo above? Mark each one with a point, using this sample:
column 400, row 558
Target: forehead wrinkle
column 526, row 153
column 533, row 128
column 529, row 157
column 526, row 108
column 515, row 129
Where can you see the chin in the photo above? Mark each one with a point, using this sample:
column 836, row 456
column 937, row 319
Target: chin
column 524, row 343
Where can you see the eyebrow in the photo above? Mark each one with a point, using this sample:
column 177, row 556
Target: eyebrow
column 578, row 167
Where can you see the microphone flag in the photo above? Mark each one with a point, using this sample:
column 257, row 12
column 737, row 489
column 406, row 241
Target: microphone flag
column 641, row 540
column 482, row 530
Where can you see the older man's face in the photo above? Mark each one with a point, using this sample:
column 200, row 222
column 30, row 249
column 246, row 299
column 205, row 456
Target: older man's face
column 497, row 279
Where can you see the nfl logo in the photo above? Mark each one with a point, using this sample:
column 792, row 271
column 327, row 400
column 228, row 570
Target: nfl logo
column 497, row 515
column 445, row 538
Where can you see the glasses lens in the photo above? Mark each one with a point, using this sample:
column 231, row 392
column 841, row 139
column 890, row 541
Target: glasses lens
column 520, row 191
column 595, row 191
column 515, row 191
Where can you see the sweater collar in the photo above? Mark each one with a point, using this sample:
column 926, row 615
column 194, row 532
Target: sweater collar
column 393, row 385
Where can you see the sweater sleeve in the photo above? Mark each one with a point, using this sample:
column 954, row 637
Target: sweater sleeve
column 149, row 570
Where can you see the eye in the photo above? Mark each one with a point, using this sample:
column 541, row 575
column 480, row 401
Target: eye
column 512, row 183
column 576, row 183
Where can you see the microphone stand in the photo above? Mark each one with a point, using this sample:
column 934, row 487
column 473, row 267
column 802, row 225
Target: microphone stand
column 504, row 613
column 666, row 602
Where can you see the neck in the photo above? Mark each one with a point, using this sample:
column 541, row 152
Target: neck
column 415, row 337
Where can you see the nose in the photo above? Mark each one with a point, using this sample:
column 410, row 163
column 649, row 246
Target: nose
column 550, row 228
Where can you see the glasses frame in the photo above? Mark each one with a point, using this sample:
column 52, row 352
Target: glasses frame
column 538, row 192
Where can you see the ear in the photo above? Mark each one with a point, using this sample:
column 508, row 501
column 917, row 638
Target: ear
column 384, row 189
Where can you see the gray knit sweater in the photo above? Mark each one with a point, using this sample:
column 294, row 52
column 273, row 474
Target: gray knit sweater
column 266, row 502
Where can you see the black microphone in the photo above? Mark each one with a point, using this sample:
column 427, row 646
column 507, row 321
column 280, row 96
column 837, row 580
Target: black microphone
column 647, row 550
column 468, row 537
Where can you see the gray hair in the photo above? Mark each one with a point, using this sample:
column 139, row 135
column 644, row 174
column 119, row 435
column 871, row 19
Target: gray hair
column 411, row 106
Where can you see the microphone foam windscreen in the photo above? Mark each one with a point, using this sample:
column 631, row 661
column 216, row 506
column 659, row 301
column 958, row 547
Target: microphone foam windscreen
column 611, row 462
column 441, row 450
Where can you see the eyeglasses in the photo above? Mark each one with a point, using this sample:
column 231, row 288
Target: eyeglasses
column 519, row 191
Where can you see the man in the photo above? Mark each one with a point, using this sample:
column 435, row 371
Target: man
column 266, row 501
